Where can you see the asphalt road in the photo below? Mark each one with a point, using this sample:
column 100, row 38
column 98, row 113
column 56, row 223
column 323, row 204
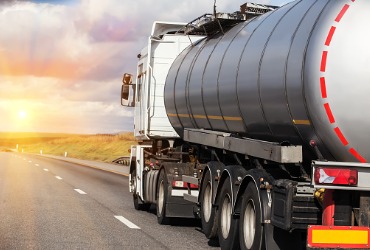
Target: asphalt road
column 51, row 204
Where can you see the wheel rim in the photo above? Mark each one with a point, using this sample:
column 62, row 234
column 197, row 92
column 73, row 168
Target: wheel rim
column 134, row 183
column 226, row 216
column 207, row 203
column 160, row 196
column 249, row 224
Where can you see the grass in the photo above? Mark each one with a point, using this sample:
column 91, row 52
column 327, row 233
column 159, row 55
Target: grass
column 105, row 147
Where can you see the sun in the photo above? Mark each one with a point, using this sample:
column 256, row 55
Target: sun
column 22, row 114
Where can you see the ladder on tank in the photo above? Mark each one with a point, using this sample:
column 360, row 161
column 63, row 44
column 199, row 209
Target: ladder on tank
column 211, row 24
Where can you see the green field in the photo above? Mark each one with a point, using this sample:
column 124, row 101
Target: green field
column 99, row 147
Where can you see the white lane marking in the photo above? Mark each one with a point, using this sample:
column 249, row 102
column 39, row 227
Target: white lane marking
column 58, row 177
column 79, row 191
column 45, row 169
column 126, row 222
column 37, row 165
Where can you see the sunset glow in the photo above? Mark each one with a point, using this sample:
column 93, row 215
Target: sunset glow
column 59, row 67
column 62, row 61
column 22, row 114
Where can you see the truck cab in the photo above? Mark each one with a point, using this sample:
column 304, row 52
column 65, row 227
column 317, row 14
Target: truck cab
column 145, row 93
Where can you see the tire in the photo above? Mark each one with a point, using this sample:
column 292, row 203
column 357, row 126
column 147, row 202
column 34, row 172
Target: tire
column 207, row 211
column 250, row 224
column 138, row 204
column 162, row 190
column 228, row 235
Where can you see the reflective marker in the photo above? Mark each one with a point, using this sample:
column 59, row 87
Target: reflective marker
column 336, row 176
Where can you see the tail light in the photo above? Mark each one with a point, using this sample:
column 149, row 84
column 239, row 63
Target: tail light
column 182, row 184
column 336, row 176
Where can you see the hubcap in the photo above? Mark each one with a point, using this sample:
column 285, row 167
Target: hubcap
column 249, row 224
column 226, row 216
column 207, row 203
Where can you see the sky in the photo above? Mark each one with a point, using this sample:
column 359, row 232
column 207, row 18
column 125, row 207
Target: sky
column 62, row 61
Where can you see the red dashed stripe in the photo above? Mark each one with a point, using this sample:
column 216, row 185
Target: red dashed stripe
column 329, row 113
column 323, row 88
column 330, row 35
column 357, row 155
column 341, row 136
column 341, row 13
column 323, row 61
column 324, row 95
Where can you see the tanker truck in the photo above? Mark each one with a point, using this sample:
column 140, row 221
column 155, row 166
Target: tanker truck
column 255, row 122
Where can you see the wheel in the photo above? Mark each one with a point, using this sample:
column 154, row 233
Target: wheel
column 208, row 212
column 250, row 225
column 138, row 204
column 162, row 189
column 228, row 235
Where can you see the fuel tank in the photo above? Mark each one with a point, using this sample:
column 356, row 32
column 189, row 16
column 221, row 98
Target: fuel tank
column 298, row 74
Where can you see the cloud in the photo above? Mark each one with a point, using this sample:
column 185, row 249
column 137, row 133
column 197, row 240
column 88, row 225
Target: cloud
column 27, row 88
column 64, row 62
column 71, row 41
column 56, row 113
column 11, row 1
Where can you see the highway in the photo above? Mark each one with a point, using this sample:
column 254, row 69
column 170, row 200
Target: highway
column 51, row 204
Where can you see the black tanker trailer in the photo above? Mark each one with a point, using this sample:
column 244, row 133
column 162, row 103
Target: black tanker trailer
column 256, row 123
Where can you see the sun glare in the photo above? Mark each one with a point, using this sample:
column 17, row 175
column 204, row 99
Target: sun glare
column 22, row 118
column 22, row 114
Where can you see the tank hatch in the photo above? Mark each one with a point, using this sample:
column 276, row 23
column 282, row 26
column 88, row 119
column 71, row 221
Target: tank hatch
column 210, row 24
column 254, row 9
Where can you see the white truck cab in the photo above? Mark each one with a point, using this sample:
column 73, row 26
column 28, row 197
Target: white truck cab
column 147, row 93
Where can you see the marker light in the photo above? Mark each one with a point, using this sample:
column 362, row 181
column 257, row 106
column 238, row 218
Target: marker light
column 182, row 184
column 336, row 176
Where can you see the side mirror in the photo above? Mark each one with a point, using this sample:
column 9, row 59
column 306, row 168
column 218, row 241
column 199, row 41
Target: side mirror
column 125, row 90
